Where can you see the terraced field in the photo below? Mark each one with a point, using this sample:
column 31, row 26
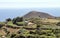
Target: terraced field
column 38, row 28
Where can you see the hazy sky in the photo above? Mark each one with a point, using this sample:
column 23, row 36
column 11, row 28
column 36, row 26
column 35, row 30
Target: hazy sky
column 29, row 4
column 14, row 8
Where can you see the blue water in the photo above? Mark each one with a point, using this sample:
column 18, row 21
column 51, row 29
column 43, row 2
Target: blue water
column 11, row 13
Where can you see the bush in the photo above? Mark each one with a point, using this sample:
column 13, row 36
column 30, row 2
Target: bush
column 9, row 19
column 12, row 35
column 43, row 36
column 17, row 19
column 19, row 23
column 30, row 37
column 19, row 37
column 58, row 24
column 31, row 32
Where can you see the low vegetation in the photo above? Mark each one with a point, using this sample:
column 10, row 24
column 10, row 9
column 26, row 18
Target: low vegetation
column 33, row 28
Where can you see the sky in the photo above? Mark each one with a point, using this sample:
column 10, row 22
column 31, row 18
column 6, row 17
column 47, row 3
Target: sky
column 29, row 4
column 14, row 8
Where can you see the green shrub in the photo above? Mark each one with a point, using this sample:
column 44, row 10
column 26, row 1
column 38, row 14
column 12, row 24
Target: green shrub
column 19, row 23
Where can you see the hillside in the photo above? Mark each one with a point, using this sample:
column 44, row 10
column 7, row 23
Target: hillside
column 34, row 14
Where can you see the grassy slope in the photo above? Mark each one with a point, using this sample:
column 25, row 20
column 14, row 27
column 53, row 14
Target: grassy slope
column 43, row 26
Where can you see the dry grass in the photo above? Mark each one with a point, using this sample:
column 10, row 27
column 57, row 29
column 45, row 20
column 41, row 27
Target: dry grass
column 51, row 20
column 2, row 32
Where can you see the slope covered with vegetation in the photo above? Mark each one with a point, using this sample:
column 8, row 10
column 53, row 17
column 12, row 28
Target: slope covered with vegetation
column 30, row 28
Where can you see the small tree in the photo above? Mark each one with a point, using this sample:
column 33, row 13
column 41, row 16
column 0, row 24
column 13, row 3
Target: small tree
column 14, row 20
column 17, row 19
column 9, row 19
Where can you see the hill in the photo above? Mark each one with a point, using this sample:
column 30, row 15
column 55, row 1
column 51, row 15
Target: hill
column 35, row 14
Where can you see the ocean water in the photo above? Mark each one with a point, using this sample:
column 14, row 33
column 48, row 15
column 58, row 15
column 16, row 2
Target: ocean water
column 12, row 13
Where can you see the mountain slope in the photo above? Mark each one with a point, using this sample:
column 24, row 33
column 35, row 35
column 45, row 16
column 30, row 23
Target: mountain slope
column 35, row 14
